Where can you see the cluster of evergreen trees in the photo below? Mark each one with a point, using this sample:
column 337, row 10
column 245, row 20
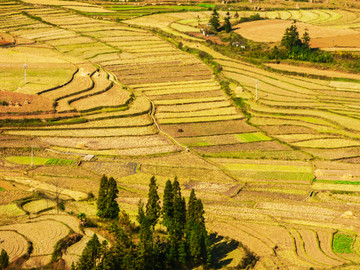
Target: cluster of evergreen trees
column 298, row 49
column 184, row 244
column 215, row 22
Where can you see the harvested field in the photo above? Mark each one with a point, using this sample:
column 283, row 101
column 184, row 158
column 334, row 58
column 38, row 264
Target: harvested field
column 197, row 113
column 276, row 28
column 23, row 103
column 193, row 107
column 107, row 132
column 312, row 248
column 327, row 143
column 108, row 143
column 114, row 97
column 8, row 196
column 314, row 71
column 14, row 244
column 201, row 119
column 43, row 234
column 38, row 205
column 71, row 221
column 269, row 145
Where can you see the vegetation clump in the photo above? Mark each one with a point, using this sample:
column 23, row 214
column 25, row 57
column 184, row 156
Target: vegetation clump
column 184, row 244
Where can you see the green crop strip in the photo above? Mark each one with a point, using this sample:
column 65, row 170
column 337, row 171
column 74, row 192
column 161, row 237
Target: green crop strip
column 342, row 243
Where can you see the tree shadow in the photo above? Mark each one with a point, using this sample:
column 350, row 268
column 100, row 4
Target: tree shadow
column 221, row 248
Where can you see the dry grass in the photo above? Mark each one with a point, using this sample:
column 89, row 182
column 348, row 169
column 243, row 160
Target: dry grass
column 38, row 205
column 14, row 244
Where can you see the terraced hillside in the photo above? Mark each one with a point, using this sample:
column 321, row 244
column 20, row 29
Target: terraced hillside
column 281, row 178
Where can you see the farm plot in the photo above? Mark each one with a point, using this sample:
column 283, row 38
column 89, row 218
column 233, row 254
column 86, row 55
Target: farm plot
column 46, row 69
column 106, row 132
column 43, row 234
column 114, row 97
column 108, row 143
column 223, row 139
column 81, row 82
column 270, row 170
column 101, row 85
column 14, row 244
column 38, row 205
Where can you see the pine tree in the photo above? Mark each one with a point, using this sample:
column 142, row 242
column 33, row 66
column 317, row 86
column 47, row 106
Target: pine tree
column 291, row 37
column 146, row 246
column 177, row 230
column 90, row 255
column 168, row 205
column 214, row 20
column 306, row 40
column 141, row 213
column 153, row 204
column 112, row 207
column 107, row 205
column 196, row 234
column 101, row 201
column 227, row 26
column 4, row 259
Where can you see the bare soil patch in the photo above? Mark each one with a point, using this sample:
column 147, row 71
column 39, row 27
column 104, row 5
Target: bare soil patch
column 6, row 39
column 351, row 41
column 22, row 103
column 275, row 29
column 203, row 129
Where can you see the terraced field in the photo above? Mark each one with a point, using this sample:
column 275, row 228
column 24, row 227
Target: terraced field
column 281, row 178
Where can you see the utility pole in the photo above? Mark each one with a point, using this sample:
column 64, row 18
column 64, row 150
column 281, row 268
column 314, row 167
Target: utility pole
column 25, row 66
column 256, row 95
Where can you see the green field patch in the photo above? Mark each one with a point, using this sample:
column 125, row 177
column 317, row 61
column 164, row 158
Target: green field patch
column 252, row 137
column 1, row 189
column 26, row 160
column 342, row 243
column 339, row 182
column 11, row 210
column 57, row 161
column 258, row 154
column 268, row 168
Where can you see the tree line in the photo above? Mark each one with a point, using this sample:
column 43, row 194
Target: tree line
column 183, row 244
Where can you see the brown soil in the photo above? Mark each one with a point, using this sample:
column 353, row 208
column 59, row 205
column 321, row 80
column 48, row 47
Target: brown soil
column 6, row 39
column 202, row 94
column 347, row 41
column 269, row 145
column 24, row 103
column 275, row 29
column 203, row 129
column 277, row 130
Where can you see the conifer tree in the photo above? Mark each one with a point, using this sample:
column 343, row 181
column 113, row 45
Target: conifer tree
column 4, row 259
column 112, row 207
column 101, row 201
column 291, row 37
column 168, row 205
column 90, row 255
column 153, row 204
column 227, row 26
column 146, row 246
column 107, row 205
column 141, row 213
column 214, row 20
